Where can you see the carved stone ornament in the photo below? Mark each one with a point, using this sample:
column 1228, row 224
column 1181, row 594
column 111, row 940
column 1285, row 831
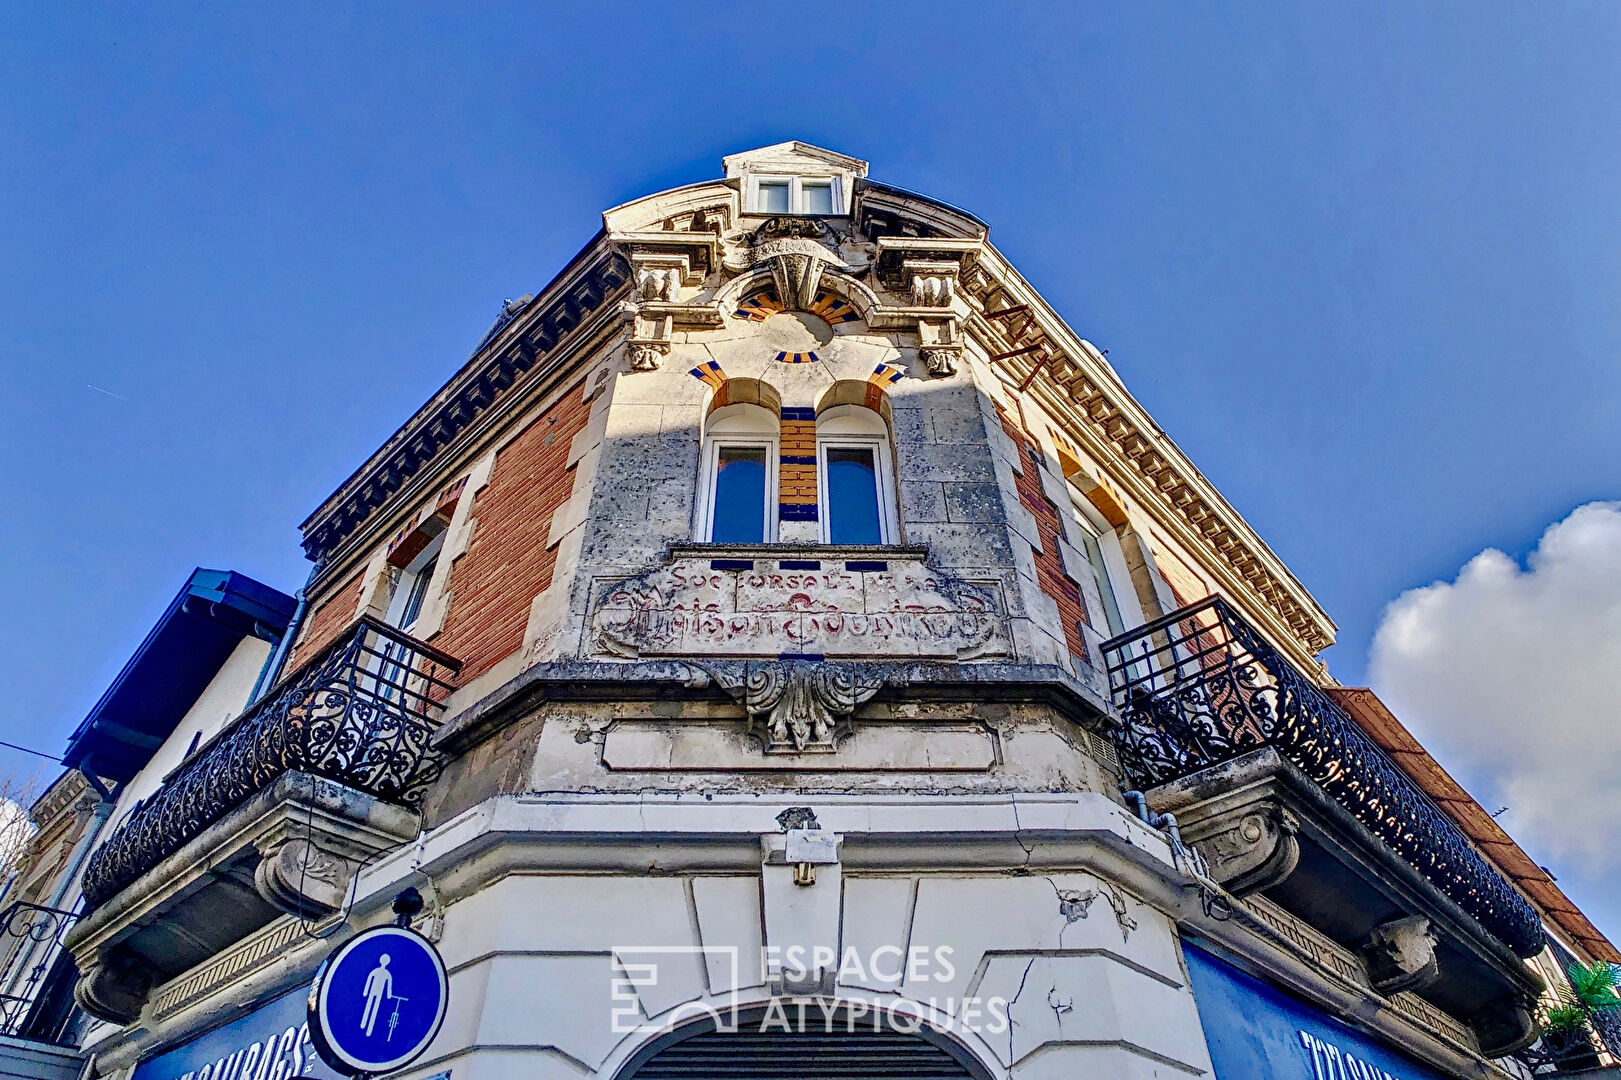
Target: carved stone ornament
column 801, row 706
column 1401, row 955
column 658, row 282
column 941, row 362
column 1251, row 850
column 646, row 355
column 689, row 608
column 940, row 343
column 796, row 250
column 301, row 878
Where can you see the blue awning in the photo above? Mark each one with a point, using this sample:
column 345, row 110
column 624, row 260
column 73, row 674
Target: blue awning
column 184, row 650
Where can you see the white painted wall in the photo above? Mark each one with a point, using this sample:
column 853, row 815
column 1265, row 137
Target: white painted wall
column 221, row 701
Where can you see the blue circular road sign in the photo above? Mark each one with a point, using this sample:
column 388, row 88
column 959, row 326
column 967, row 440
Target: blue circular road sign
column 378, row 1001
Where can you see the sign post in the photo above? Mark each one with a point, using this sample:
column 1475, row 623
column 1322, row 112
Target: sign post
column 378, row 1001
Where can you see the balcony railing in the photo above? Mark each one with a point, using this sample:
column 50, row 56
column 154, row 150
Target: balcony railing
column 361, row 712
column 1200, row 687
column 32, row 935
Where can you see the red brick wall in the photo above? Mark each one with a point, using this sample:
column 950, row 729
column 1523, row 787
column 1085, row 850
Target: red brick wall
column 328, row 616
column 1050, row 576
column 1186, row 585
column 508, row 563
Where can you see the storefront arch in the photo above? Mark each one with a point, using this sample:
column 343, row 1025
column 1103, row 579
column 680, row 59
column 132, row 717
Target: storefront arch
column 846, row 1044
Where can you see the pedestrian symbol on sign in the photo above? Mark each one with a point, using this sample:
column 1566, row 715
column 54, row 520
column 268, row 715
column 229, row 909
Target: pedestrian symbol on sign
column 378, row 1001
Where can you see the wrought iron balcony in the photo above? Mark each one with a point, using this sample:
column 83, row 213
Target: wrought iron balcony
column 1200, row 687
column 361, row 712
column 33, row 935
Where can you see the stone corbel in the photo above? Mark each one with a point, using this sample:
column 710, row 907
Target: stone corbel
column 303, row 879
column 1249, row 847
column 931, row 281
column 657, row 278
column 1400, row 955
column 940, row 344
column 800, row 706
column 114, row 988
column 1505, row 1027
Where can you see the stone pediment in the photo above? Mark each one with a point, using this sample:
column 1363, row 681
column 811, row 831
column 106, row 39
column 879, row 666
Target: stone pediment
column 725, row 603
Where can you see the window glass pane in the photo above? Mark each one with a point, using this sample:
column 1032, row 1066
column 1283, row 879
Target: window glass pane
column 419, row 592
column 1100, row 574
column 739, row 516
column 773, row 197
column 818, row 196
column 852, row 496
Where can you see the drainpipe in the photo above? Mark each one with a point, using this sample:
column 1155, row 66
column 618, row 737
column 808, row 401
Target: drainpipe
column 1167, row 822
column 278, row 655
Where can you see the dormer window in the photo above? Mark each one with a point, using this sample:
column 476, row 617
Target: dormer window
column 794, row 195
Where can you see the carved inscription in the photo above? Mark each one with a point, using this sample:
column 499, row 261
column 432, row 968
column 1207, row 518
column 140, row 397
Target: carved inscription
column 692, row 609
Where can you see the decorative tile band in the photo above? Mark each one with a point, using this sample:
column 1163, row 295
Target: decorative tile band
column 886, row 375
column 833, row 309
column 796, row 465
column 797, row 357
column 710, row 374
column 759, row 307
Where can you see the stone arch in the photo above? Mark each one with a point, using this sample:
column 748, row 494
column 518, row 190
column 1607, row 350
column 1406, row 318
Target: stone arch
column 745, row 391
column 863, row 392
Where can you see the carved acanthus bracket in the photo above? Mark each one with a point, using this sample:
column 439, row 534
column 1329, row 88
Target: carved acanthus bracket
column 801, row 706
column 1245, row 833
column 1249, row 848
column 929, row 273
column 301, row 878
column 1400, row 955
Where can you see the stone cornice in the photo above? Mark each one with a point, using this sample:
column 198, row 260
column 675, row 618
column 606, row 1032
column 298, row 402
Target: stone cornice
column 534, row 334
column 1075, row 383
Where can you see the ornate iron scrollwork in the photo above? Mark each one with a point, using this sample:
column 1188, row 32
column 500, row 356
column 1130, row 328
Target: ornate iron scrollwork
column 33, row 935
column 361, row 712
column 1201, row 686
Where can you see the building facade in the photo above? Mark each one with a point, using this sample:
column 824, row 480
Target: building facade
column 785, row 646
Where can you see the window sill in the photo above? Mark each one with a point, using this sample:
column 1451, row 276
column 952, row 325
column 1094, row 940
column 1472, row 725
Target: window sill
column 800, row 552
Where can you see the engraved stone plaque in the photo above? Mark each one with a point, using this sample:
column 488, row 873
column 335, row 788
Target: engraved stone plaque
column 691, row 608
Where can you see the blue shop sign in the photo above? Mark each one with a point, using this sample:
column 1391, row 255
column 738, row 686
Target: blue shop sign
column 1258, row 1033
column 270, row 1043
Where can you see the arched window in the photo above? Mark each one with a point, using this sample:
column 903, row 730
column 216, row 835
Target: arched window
column 855, row 477
column 738, row 493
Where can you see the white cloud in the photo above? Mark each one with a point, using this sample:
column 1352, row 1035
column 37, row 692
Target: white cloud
column 1510, row 675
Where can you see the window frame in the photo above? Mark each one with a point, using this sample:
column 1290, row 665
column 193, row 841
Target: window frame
column 796, row 193
column 888, row 509
column 709, row 475
column 419, row 571
column 1115, row 569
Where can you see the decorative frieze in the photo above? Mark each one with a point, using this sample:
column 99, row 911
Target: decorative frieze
column 741, row 607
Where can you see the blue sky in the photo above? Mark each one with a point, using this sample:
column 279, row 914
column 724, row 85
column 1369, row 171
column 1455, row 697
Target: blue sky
column 1361, row 262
